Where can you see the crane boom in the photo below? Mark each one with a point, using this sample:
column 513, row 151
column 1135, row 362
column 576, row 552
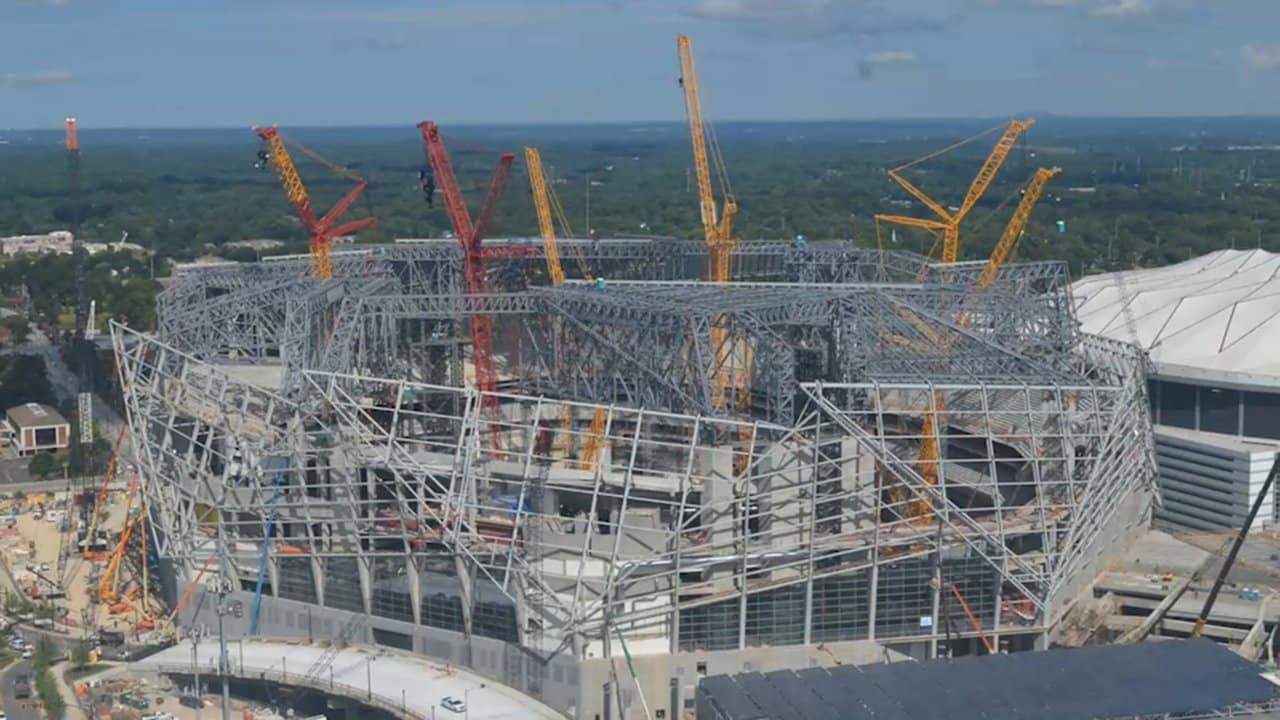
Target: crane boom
column 693, row 108
column 949, row 222
column 541, row 203
column 470, row 234
column 991, row 165
column 1017, row 223
column 319, row 230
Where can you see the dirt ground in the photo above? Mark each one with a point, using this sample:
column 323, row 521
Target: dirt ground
column 78, row 576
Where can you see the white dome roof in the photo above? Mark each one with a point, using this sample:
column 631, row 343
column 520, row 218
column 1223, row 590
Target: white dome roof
column 1217, row 315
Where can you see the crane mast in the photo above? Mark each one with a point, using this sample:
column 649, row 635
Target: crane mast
column 542, row 205
column 1013, row 230
column 319, row 230
column 717, row 225
column 470, row 234
column 929, row 456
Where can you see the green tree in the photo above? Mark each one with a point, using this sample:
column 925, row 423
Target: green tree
column 18, row 326
column 44, row 465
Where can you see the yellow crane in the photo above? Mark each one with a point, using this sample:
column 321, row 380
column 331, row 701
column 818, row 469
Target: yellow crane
column 948, row 222
column 928, row 458
column 717, row 223
column 545, row 203
column 320, row 230
column 731, row 375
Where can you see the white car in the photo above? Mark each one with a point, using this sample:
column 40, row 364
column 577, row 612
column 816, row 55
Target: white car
column 26, row 654
column 454, row 704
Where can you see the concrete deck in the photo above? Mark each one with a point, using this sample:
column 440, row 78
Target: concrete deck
column 404, row 684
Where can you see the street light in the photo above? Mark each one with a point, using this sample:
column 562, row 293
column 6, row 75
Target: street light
column 466, row 701
column 368, row 673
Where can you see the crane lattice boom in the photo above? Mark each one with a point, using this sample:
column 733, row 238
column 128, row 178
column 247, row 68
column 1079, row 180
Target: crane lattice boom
column 470, row 234
column 949, row 222
column 319, row 230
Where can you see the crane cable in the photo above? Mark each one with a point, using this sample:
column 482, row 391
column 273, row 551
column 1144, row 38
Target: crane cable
column 949, row 148
column 338, row 170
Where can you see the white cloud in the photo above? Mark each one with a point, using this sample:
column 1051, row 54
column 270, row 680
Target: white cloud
column 1122, row 9
column 42, row 77
column 892, row 57
column 818, row 18
column 1262, row 58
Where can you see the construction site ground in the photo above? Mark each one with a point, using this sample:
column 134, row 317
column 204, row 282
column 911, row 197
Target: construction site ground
column 77, row 576
column 1158, row 566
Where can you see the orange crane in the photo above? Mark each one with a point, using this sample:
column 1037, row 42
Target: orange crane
column 107, row 585
column 928, row 458
column 545, row 203
column 319, row 230
column 948, row 222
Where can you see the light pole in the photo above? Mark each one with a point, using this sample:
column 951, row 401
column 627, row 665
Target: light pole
column 466, row 702
column 368, row 673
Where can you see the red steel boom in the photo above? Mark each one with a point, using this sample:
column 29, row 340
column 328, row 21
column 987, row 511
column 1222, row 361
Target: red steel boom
column 470, row 234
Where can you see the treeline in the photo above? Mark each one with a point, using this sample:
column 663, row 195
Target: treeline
column 1131, row 193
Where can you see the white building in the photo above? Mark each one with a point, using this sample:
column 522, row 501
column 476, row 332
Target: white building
column 58, row 241
column 1212, row 328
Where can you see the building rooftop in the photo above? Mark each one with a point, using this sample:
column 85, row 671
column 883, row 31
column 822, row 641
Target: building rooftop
column 35, row 415
column 1215, row 316
column 1113, row 681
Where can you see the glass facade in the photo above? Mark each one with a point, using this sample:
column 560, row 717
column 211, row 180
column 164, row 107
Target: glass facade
column 296, row 579
column 1214, row 409
column 904, row 607
column 342, row 584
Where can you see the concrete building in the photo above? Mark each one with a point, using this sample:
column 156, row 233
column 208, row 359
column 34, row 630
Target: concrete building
column 35, row 427
column 1211, row 327
column 58, row 241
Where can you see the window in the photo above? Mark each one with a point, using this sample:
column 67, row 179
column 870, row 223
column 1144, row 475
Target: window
column 1262, row 415
column 1178, row 405
column 46, row 437
column 1220, row 410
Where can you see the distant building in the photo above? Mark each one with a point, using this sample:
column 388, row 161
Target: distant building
column 34, row 427
column 1210, row 326
column 58, row 241
column 122, row 246
column 259, row 244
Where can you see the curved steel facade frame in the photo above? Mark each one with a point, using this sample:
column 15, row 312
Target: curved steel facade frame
column 688, row 532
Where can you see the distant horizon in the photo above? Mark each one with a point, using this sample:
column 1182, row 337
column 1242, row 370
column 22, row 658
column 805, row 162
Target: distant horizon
column 1040, row 118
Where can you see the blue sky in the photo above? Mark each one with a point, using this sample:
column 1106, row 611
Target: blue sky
column 202, row 63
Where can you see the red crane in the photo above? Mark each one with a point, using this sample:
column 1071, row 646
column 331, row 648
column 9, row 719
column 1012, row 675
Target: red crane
column 470, row 235
column 319, row 230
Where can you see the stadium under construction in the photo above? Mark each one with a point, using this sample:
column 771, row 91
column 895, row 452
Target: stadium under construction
column 669, row 477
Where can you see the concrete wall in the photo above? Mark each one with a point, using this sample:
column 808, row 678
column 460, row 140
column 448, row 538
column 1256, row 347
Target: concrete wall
column 1208, row 481
column 555, row 682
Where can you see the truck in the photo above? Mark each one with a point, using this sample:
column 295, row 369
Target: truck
column 22, row 686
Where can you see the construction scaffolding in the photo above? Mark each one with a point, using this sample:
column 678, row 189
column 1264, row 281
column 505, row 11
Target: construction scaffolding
column 331, row 424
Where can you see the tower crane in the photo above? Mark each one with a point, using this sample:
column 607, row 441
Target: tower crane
column 717, row 223
column 929, row 455
column 470, row 235
column 948, row 222
column 731, row 379
column 544, row 203
column 319, row 230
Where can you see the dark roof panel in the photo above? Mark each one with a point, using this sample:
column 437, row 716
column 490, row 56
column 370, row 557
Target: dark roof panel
column 1176, row 676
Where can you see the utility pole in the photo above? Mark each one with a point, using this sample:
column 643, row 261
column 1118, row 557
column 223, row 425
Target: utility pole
column 224, row 590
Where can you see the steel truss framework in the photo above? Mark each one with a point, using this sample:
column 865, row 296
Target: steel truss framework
column 622, row 502
column 380, row 495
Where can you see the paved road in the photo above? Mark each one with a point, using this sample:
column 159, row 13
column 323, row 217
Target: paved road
column 18, row 708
